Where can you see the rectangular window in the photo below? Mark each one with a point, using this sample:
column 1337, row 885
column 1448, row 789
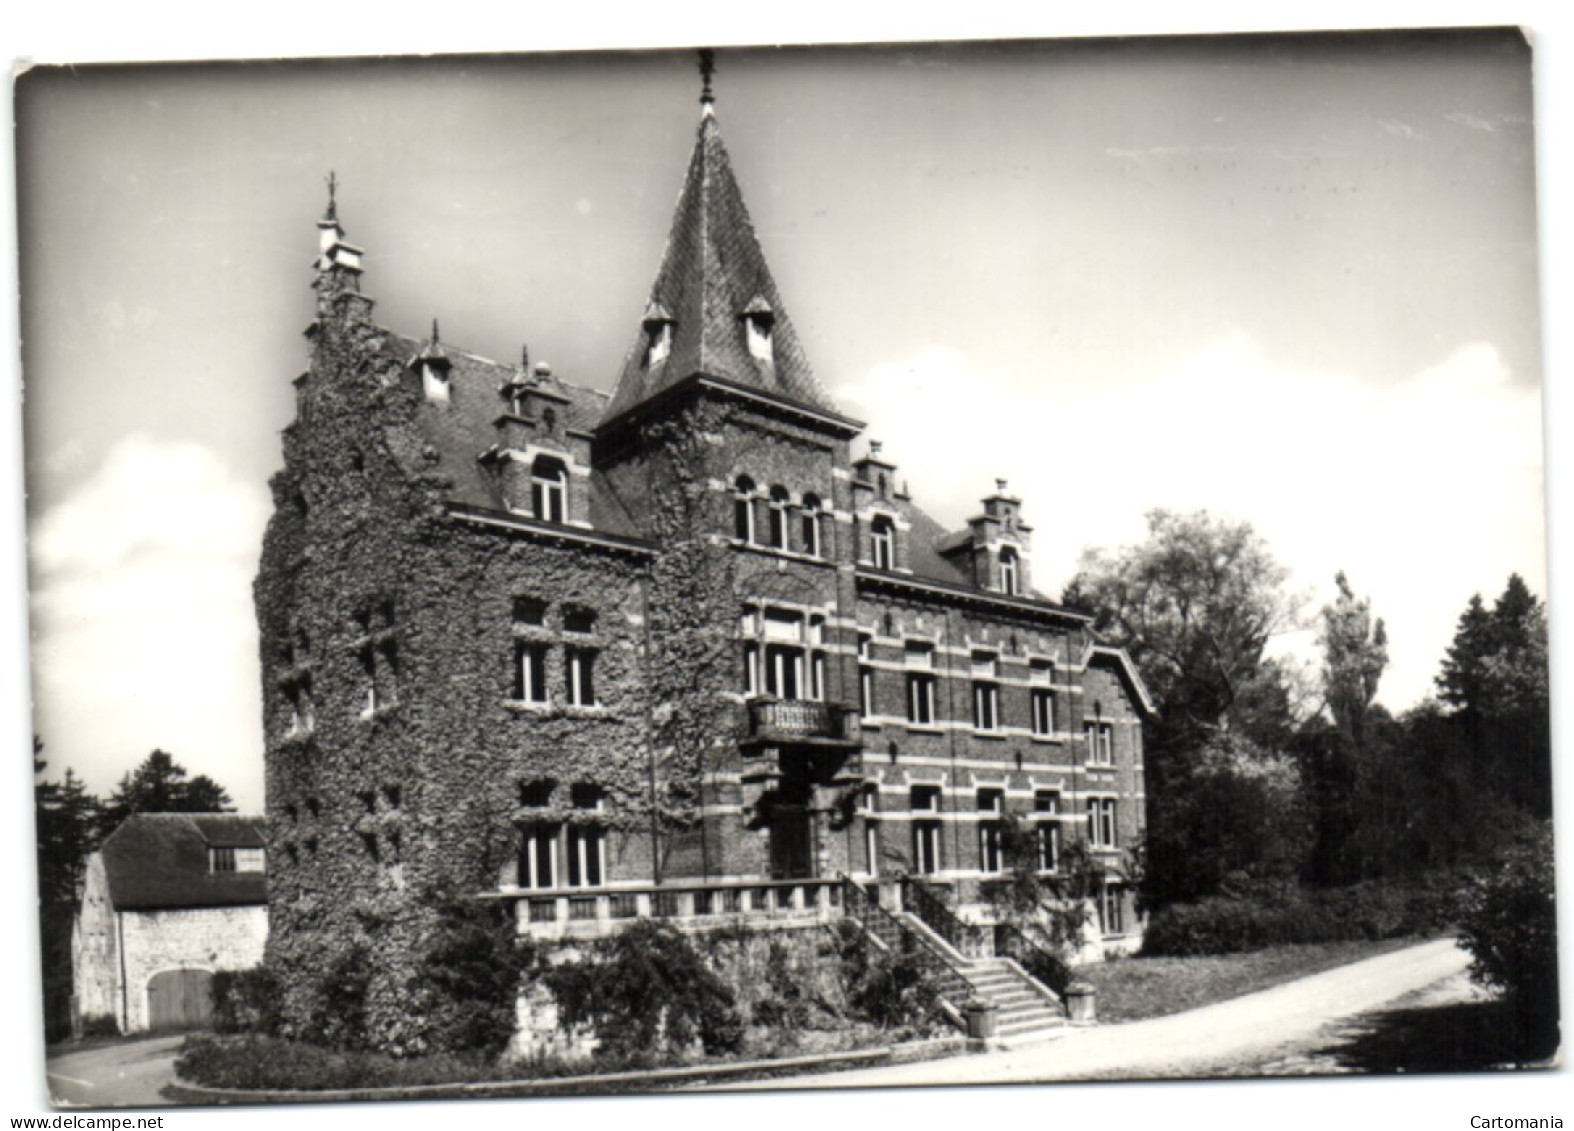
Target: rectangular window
column 986, row 706
column 751, row 668
column 991, row 804
column 817, row 676
column 530, row 672
column 251, row 860
column 866, row 692
column 1101, row 822
column 783, row 671
column 869, row 809
column 221, row 860
column 538, row 857
column 587, row 851
column 920, row 699
column 920, row 685
column 579, row 687
column 1043, row 703
column 1111, row 908
column 1046, row 813
column 536, row 794
column 926, row 833
column 1101, row 743
column 529, row 611
column 579, row 619
column 587, row 843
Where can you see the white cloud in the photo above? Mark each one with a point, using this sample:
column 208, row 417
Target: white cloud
column 1423, row 491
column 143, row 629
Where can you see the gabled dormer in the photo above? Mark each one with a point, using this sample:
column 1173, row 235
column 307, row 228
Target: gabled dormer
column 995, row 549
column 542, row 465
column 432, row 365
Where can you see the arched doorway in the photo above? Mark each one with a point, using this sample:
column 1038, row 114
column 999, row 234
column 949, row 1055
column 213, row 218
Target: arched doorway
column 180, row 999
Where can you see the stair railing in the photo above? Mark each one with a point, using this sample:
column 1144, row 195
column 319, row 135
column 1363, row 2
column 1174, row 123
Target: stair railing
column 919, row 898
column 951, row 987
column 1036, row 960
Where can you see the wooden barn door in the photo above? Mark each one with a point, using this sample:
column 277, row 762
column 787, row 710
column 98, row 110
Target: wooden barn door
column 180, row 999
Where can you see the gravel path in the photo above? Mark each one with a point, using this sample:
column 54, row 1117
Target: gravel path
column 1261, row 1028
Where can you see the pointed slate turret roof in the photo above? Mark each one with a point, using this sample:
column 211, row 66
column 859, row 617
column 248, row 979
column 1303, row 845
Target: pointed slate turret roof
column 713, row 273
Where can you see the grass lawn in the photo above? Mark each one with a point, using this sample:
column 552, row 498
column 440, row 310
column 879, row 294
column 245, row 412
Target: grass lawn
column 1130, row 989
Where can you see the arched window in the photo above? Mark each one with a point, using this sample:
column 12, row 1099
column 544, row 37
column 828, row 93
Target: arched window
column 882, row 542
column 779, row 502
column 1010, row 572
column 743, row 509
column 548, row 489
column 811, row 525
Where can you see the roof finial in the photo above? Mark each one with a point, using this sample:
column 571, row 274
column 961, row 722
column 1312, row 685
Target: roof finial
column 333, row 204
column 435, row 339
column 707, row 68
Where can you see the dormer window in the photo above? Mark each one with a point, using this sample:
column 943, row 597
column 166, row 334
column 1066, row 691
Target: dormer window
column 1010, row 572
column 658, row 343
column 548, row 489
column 434, row 383
column 757, row 322
column 882, row 542
column 779, row 503
column 658, row 335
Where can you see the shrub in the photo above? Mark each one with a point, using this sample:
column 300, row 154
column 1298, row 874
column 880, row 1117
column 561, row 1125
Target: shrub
column 245, row 1001
column 1508, row 922
column 893, row 990
column 339, row 1020
column 1288, row 916
column 646, row 991
column 470, row 977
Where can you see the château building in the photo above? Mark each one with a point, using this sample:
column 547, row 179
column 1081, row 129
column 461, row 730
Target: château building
column 687, row 649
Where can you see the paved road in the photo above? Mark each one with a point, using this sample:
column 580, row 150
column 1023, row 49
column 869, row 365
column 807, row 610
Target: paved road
column 128, row 1074
column 1255, row 1029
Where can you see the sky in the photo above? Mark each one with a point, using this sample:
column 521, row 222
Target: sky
column 1293, row 282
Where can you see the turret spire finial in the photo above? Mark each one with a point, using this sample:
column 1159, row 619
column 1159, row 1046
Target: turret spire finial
column 333, row 204
column 707, row 69
column 435, row 338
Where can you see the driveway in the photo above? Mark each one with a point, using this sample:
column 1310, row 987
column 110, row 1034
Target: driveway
column 1214, row 1040
column 124, row 1074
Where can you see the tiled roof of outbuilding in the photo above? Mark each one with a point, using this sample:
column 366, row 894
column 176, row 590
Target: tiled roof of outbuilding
column 712, row 272
column 159, row 861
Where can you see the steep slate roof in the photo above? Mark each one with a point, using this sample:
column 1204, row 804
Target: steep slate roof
column 711, row 272
column 463, row 428
column 159, row 861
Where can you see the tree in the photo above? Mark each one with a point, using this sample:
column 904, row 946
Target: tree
column 1494, row 677
column 66, row 819
column 1234, row 822
column 1194, row 605
column 1355, row 652
column 159, row 785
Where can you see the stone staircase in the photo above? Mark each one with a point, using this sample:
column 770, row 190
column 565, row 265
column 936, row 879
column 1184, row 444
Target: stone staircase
column 1028, row 1012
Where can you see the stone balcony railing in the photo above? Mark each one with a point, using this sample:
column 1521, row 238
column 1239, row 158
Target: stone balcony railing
column 590, row 913
column 791, row 719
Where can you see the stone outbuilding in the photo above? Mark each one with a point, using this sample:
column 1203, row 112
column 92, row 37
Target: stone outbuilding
column 168, row 900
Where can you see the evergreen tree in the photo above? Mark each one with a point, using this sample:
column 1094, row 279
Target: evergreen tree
column 66, row 818
column 159, row 785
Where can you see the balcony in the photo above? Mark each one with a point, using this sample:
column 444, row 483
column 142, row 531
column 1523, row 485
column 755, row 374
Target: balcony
column 800, row 720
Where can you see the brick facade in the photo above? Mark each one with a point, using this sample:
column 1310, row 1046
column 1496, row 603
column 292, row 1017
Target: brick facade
column 480, row 682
